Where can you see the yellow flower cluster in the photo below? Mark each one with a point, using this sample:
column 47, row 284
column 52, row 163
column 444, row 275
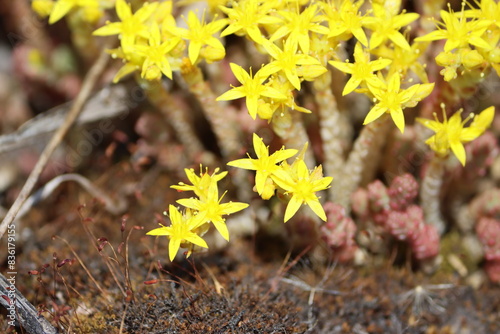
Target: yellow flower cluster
column 300, row 44
column 88, row 10
column 451, row 133
column 187, row 228
column 299, row 39
column 294, row 181
column 151, row 40
column 387, row 94
column 471, row 36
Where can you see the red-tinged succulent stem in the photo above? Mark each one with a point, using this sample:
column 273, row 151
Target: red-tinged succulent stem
column 289, row 127
column 223, row 124
column 177, row 117
column 331, row 122
column 430, row 193
column 367, row 145
column 224, row 128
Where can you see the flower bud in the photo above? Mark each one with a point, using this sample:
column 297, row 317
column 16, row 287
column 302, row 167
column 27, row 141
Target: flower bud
column 446, row 59
column 472, row 59
column 212, row 54
column 494, row 55
column 449, row 73
column 269, row 189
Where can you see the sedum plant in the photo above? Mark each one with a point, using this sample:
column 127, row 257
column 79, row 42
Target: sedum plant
column 297, row 63
column 295, row 180
column 187, row 228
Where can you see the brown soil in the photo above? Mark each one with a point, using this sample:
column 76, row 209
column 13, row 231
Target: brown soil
column 114, row 281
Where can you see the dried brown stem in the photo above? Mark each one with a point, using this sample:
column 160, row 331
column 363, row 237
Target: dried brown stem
column 98, row 286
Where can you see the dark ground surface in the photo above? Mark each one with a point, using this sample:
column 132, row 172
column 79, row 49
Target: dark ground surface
column 254, row 285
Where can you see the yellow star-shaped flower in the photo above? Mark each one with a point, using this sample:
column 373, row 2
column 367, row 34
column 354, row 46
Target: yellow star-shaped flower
column 302, row 185
column 155, row 55
column 91, row 9
column 361, row 70
column 451, row 133
column 180, row 231
column 252, row 88
column 200, row 184
column 245, row 16
column 392, row 99
column 346, row 21
column 130, row 25
column 287, row 61
column 488, row 10
column 458, row 31
column 200, row 34
column 386, row 26
column 210, row 209
column 297, row 26
column 265, row 164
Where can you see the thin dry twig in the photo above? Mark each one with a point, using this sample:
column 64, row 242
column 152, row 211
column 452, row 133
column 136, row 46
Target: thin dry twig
column 122, row 323
column 108, row 102
column 318, row 288
column 98, row 286
column 115, row 207
column 87, row 86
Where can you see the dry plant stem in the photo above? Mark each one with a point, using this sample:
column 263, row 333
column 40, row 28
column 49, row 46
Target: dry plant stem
column 112, row 269
column 84, row 267
column 122, row 322
column 112, row 206
column 107, row 260
column 430, row 193
column 369, row 142
column 330, row 129
column 127, row 269
column 225, row 130
column 289, row 127
column 87, row 86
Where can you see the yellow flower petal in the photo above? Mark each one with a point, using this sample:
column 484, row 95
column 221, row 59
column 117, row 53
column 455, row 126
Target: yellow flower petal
column 160, row 231
column 61, row 8
column 374, row 114
column 459, row 151
column 123, row 10
column 173, row 248
column 222, row 229
column 292, row 208
column 317, row 208
column 399, row 119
